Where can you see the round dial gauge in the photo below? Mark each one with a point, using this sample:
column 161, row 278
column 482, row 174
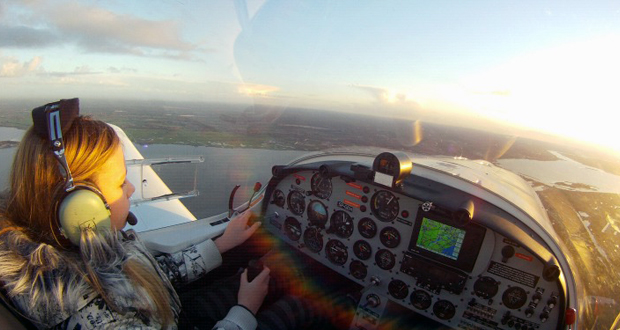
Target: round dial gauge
column 358, row 269
column 384, row 206
column 390, row 237
column 296, row 202
column 398, row 289
column 514, row 297
column 367, row 228
column 341, row 223
column 336, row 252
column 321, row 186
column 385, row 259
column 317, row 214
column 420, row 299
column 278, row 198
column 292, row 228
column 362, row 250
column 313, row 239
column 444, row 309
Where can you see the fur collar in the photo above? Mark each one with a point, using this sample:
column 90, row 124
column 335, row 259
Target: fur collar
column 49, row 285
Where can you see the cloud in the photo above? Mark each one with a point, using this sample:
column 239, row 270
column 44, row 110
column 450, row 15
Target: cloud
column 25, row 37
column 78, row 71
column 99, row 30
column 10, row 67
column 114, row 69
column 96, row 30
column 387, row 97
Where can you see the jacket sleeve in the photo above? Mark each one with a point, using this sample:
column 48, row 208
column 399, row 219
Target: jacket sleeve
column 97, row 315
column 238, row 318
column 190, row 263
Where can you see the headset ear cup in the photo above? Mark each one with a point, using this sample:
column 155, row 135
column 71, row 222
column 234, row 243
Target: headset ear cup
column 83, row 207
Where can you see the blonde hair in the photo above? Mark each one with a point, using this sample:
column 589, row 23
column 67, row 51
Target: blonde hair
column 36, row 185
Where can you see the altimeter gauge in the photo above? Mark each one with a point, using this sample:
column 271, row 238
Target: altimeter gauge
column 321, row 186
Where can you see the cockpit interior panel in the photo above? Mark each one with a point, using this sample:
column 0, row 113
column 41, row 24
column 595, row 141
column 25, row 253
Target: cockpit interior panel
column 405, row 246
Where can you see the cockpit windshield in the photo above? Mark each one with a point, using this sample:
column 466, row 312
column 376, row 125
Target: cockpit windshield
column 529, row 87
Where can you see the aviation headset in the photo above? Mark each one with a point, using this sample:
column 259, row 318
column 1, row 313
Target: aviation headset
column 80, row 205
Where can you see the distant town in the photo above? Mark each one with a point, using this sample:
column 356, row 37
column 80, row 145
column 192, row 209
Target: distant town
column 262, row 127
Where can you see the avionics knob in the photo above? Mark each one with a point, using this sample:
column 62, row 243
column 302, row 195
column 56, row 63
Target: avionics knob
column 544, row 316
column 552, row 301
column 529, row 312
column 507, row 253
column 373, row 300
column 536, row 297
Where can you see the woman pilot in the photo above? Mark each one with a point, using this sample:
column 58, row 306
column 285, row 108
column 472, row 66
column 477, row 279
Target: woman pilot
column 67, row 273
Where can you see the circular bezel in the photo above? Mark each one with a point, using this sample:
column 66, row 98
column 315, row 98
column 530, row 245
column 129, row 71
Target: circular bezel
column 336, row 252
column 514, row 297
column 278, row 198
column 321, row 186
column 444, row 309
column 398, row 289
column 358, row 269
column 420, row 299
column 292, row 229
column 384, row 205
column 341, row 223
column 362, row 250
column 367, row 228
column 390, row 237
column 317, row 213
column 385, row 259
column 313, row 239
column 296, row 202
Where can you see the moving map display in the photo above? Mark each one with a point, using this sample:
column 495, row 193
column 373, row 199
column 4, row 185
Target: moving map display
column 440, row 238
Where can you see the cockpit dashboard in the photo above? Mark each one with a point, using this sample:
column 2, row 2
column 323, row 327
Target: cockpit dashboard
column 411, row 239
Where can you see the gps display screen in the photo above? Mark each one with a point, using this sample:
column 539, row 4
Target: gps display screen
column 435, row 236
column 440, row 238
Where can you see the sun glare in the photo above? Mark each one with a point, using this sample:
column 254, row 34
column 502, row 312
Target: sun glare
column 567, row 90
column 257, row 90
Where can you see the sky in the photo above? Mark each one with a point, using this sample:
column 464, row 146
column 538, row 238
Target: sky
column 543, row 65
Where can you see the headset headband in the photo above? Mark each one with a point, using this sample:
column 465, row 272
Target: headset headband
column 49, row 123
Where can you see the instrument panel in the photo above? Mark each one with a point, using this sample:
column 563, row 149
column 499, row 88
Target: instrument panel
column 409, row 251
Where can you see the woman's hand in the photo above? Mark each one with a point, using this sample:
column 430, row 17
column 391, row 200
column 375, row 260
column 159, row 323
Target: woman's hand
column 252, row 294
column 236, row 232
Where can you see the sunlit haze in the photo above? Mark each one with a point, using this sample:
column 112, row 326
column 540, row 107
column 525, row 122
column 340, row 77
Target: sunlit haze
column 550, row 66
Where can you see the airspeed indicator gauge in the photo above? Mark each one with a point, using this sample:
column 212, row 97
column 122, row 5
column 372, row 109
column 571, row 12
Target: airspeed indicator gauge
column 384, row 206
column 321, row 186
column 296, row 202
